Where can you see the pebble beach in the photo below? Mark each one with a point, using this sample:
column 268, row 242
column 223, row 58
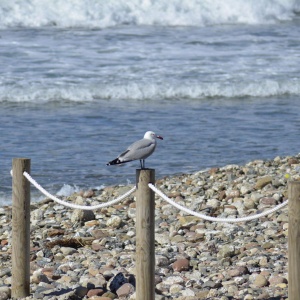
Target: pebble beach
column 79, row 254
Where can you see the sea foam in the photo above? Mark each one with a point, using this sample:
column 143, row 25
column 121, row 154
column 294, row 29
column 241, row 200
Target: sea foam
column 152, row 92
column 103, row 14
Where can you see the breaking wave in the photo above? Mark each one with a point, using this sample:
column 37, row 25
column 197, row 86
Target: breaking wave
column 150, row 92
column 103, row 14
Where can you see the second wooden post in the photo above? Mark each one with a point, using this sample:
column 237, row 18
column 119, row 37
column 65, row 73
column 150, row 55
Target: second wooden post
column 145, row 238
column 294, row 240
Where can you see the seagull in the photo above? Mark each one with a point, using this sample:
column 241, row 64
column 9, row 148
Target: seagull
column 138, row 150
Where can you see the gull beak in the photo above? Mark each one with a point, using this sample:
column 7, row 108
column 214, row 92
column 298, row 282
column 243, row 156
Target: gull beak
column 159, row 137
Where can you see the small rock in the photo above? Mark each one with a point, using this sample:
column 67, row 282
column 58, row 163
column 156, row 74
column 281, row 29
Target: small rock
column 187, row 221
column 249, row 203
column 274, row 280
column 172, row 280
column 175, row 288
column 5, row 293
column 67, row 250
column 209, row 284
column 263, row 261
column 81, row 291
column 161, row 261
column 281, row 285
column 181, row 265
column 162, row 238
column 91, row 223
column 108, row 296
column 226, row 251
column 263, row 181
column 202, row 295
column 95, row 292
column 267, row 245
column 88, row 194
column 125, row 290
column 267, row 201
column 131, row 213
column 245, row 189
column 238, row 271
column 114, row 221
column 283, row 217
column 82, row 216
column 213, row 203
column 260, row 281
column 174, row 194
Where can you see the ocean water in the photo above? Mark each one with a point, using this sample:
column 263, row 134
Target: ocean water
column 80, row 80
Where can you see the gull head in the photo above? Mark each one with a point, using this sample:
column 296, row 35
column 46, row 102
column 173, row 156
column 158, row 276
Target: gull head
column 150, row 135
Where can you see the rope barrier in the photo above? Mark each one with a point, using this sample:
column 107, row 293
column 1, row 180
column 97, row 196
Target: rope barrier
column 162, row 195
column 76, row 206
column 213, row 219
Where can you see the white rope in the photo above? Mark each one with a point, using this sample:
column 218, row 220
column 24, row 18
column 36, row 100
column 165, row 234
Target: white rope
column 212, row 219
column 162, row 195
column 76, row 206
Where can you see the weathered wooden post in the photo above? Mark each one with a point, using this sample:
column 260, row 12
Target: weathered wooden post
column 145, row 239
column 294, row 240
column 20, row 229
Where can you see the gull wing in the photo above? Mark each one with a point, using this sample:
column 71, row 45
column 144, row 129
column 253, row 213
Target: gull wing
column 138, row 150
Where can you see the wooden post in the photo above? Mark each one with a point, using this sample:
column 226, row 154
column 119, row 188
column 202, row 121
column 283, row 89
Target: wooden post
column 294, row 240
column 145, row 239
column 20, row 229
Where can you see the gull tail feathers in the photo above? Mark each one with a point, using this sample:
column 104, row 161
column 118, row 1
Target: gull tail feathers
column 116, row 161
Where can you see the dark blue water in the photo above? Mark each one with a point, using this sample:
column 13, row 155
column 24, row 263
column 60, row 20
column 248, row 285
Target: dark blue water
column 71, row 144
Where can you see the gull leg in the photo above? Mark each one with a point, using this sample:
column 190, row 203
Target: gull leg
column 142, row 162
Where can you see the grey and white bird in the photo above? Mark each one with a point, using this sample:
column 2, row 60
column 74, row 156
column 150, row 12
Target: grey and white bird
column 138, row 150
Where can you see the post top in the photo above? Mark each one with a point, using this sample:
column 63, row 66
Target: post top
column 294, row 182
column 21, row 158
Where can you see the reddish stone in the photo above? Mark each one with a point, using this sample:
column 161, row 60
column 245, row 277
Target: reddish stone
column 238, row 271
column 213, row 171
column 276, row 280
column 95, row 292
column 267, row 201
column 293, row 161
column 4, row 242
column 125, row 290
column 174, row 194
column 48, row 271
column 181, row 264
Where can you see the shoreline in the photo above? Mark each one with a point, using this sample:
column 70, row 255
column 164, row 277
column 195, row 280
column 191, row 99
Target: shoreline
column 79, row 253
